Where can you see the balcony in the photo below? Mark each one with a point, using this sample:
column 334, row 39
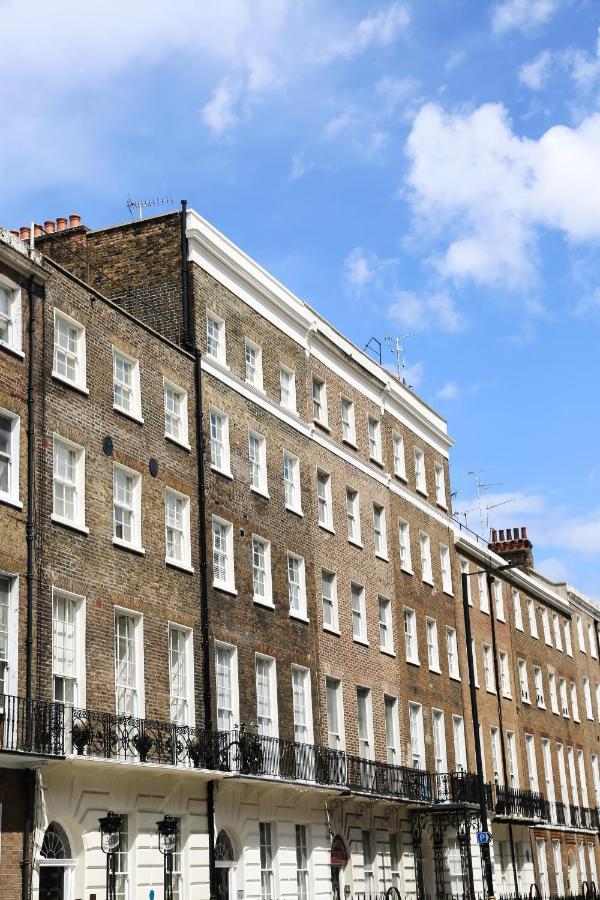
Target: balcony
column 35, row 728
column 521, row 804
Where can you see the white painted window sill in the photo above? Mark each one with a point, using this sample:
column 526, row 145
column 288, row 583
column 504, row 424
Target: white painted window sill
column 177, row 564
column 358, row 640
column 383, row 557
column 435, row 670
column 407, row 571
column 265, row 603
column 128, row 415
column 332, row 630
column 224, row 472
column 74, row 526
column 388, row 652
column 225, row 588
column 132, row 548
column 299, row 617
column 10, row 501
column 177, row 442
column 295, row 510
column 328, row 528
column 413, row 662
column 81, row 388
column 13, row 350
column 264, row 494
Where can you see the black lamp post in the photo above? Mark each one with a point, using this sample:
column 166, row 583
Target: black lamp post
column 167, row 840
column 110, row 825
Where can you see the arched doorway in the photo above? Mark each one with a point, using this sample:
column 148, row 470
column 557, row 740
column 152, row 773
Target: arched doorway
column 339, row 861
column 572, row 873
column 55, row 864
column 224, row 866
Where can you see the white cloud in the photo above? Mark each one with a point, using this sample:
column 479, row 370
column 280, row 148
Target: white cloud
column 358, row 269
column 455, row 59
column 220, row 113
column 535, row 73
column 378, row 30
column 436, row 311
column 487, row 192
column 522, row 15
column 553, row 568
column 449, row 391
column 299, row 166
column 412, row 373
column 502, row 507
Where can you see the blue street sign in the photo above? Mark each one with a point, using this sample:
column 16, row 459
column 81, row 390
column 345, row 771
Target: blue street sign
column 483, row 837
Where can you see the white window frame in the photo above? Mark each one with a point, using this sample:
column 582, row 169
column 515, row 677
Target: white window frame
column 136, row 509
column 496, row 754
column 425, row 548
column 580, row 635
column 504, row 674
column 488, row 669
column 411, row 644
column 182, row 439
column 475, row 668
column 374, row 435
column 222, row 422
column 353, row 517
column 135, row 412
column 464, row 570
column 186, row 531
column 257, row 381
column 228, row 584
column 574, row 702
column 272, row 675
column 348, row 420
column 386, row 630
column 420, row 475
column 533, row 629
column 433, row 648
column 187, row 696
column 552, row 688
column 138, row 640
column 334, row 625
column 438, row 732
column 302, row 611
column 220, row 356
column 498, row 599
column 12, row 495
column 538, row 681
column 592, row 640
column 15, row 326
column 587, row 698
column 358, row 615
column 234, row 711
column 366, row 744
column 517, row 609
column 78, row 675
column 10, row 660
column 289, row 388
column 80, row 381
column 446, row 570
column 267, row 600
column 440, row 485
column 557, row 632
column 567, row 636
column 524, row 682
column 460, row 746
column 380, row 532
column 302, row 673
column 416, row 735
column 392, row 729
column 562, row 693
column 292, row 464
column 78, row 485
column 531, row 763
column 267, row 854
column 324, row 501
column 484, row 597
column 452, row 648
column 511, row 760
column 546, row 626
column 398, row 456
column 259, row 465
column 404, row 543
column 319, row 401
column 582, row 778
column 334, row 689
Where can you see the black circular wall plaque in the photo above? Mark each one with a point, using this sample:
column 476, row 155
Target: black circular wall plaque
column 107, row 445
column 153, row 466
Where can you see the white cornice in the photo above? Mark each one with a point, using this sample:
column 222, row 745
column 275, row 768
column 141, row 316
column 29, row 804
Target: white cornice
column 229, row 265
column 15, row 253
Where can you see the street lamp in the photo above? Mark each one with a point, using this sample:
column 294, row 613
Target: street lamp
column 110, row 825
column 167, row 840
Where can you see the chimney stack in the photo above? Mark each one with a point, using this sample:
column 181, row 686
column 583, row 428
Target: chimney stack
column 514, row 546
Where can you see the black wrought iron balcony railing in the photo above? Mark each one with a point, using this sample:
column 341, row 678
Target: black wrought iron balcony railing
column 34, row 727
column 461, row 787
column 521, row 803
column 584, row 817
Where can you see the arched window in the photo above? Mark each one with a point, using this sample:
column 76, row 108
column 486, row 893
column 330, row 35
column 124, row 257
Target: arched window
column 224, row 848
column 56, row 843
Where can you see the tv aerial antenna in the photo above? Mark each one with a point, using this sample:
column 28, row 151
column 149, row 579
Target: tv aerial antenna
column 483, row 506
column 141, row 205
column 396, row 344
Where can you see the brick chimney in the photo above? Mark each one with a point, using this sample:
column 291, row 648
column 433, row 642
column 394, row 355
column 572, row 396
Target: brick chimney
column 514, row 546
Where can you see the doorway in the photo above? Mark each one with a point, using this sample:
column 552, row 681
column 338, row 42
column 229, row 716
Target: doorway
column 52, row 883
column 224, row 866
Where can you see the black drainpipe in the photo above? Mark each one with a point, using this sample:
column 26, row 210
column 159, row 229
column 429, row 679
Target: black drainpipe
column 190, row 341
column 29, row 536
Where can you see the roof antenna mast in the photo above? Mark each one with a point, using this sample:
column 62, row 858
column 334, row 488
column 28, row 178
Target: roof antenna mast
column 141, row 205
column 396, row 343
column 482, row 498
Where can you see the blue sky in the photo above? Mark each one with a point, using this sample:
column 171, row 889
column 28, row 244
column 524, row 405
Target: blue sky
column 422, row 167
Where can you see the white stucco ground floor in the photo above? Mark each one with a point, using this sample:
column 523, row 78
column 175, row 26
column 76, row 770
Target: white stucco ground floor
column 272, row 839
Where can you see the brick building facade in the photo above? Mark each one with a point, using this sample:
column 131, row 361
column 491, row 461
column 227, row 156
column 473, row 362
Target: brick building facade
column 245, row 604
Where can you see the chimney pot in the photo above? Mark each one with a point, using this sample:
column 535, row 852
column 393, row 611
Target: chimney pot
column 524, row 533
column 15, row 232
column 74, row 220
column 37, row 230
column 49, row 226
column 494, row 536
column 61, row 223
column 509, row 534
column 501, row 534
column 24, row 233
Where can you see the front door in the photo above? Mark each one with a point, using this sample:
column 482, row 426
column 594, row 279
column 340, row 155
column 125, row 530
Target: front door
column 52, row 883
column 222, row 876
column 336, row 887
